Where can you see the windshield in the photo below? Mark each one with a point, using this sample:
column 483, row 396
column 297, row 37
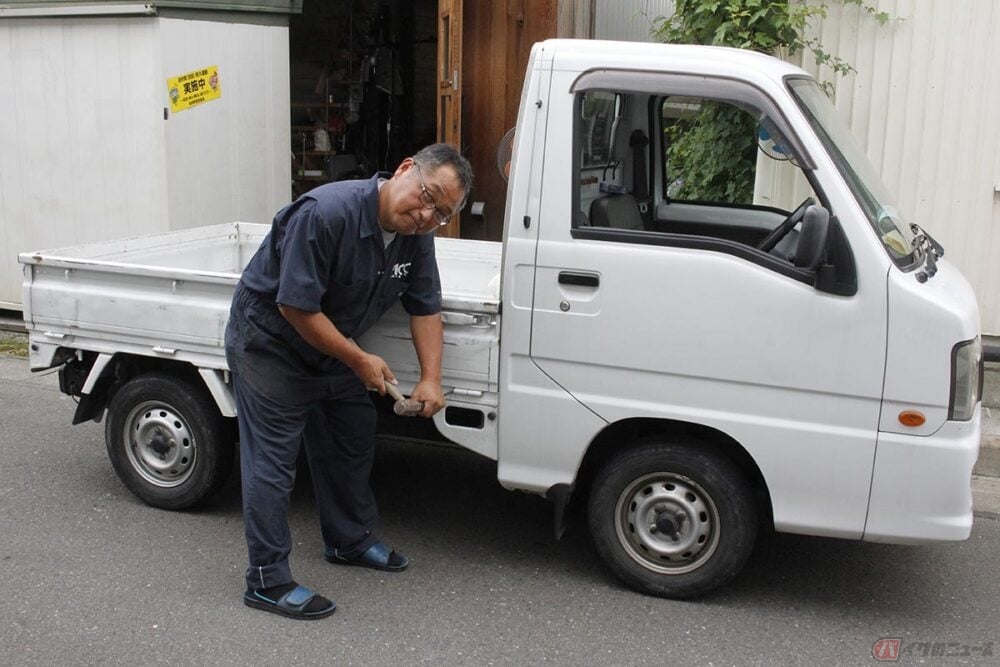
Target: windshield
column 857, row 170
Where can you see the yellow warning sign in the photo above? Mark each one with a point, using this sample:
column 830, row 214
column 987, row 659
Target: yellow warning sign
column 194, row 88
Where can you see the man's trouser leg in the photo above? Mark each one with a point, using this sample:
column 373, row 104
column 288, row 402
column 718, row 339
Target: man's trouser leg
column 270, row 437
column 339, row 441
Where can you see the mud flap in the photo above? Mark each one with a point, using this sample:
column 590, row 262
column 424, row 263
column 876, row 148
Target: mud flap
column 560, row 495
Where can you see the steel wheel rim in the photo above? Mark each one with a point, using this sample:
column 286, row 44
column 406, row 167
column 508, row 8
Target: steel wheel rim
column 159, row 444
column 667, row 523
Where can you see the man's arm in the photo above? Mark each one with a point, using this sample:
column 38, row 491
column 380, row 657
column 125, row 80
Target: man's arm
column 428, row 341
column 321, row 333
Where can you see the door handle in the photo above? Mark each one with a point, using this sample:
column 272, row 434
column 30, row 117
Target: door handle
column 466, row 319
column 580, row 279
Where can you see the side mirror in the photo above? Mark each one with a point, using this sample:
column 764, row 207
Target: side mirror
column 812, row 239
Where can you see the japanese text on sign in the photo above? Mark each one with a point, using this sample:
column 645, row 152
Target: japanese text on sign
column 194, row 88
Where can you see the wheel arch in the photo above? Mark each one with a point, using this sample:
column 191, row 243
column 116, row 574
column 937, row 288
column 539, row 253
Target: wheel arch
column 106, row 378
column 628, row 433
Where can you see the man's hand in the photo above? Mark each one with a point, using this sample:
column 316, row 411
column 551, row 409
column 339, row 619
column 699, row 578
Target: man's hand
column 430, row 393
column 373, row 371
column 428, row 338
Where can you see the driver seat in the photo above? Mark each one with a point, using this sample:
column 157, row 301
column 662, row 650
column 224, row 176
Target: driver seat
column 618, row 211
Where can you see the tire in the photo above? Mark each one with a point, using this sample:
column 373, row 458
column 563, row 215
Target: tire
column 672, row 519
column 167, row 441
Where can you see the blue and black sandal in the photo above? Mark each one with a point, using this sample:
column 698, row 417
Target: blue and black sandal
column 377, row 557
column 299, row 602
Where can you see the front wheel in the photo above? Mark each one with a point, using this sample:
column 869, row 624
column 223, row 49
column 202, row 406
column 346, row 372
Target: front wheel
column 167, row 441
column 672, row 519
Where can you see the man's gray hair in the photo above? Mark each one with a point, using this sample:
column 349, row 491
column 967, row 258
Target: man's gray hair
column 439, row 155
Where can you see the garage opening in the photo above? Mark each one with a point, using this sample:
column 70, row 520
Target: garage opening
column 363, row 87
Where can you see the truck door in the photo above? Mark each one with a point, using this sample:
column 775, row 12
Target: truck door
column 686, row 308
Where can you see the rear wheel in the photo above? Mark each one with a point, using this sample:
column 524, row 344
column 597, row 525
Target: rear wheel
column 672, row 519
column 167, row 441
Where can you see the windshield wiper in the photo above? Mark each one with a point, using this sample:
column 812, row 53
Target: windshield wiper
column 931, row 249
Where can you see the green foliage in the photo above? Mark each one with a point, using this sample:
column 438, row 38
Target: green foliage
column 770, row 26
column 722, row 175
column 711, row 158
column 13, row 344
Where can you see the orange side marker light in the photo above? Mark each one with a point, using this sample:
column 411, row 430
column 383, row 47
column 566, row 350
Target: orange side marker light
column 911, row 418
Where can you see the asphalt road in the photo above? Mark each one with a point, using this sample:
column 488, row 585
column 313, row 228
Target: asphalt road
column 92, row 576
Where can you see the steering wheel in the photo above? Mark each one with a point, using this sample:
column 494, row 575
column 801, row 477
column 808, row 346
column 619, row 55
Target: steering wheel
column 779, row 232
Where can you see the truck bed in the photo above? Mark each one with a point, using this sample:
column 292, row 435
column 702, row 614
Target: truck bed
column 167, row 295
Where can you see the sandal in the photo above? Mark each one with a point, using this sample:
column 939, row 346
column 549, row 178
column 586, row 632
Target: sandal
column 377, row 557
column 292, row 604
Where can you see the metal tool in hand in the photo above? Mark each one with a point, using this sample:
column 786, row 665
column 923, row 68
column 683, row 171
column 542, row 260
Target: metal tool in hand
column 404, row 407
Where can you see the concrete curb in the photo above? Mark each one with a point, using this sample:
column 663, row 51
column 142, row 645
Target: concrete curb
column 986, row 497
column 10, row 320
column 988, row 464
column 986, row 473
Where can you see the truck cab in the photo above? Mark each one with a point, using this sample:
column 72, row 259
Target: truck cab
column 790, row 326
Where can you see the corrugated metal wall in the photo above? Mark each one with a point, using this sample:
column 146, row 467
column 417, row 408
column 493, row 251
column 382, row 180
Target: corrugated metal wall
column 630, row 20
column 925, row 102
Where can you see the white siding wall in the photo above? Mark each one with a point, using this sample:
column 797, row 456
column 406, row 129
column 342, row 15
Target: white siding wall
column 81, row 153
column 86, row 155
column 228, row 159
column 925, row 102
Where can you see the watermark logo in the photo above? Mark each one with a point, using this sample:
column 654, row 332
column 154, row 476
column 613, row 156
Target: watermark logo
column 886, row 649
column 891, row 649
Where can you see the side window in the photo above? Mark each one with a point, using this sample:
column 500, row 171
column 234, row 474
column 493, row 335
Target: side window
column 721, row 170
column 712, row 150
column 708, row 168
column 709, row 150
column 598, row 147
column 599, row 112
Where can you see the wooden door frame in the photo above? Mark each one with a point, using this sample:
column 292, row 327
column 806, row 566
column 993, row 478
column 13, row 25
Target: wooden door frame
column 449, row 93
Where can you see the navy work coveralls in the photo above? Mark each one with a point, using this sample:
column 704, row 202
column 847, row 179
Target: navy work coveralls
column 325, row 252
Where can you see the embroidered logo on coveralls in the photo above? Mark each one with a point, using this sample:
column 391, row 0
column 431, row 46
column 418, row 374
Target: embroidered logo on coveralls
column 401, row 270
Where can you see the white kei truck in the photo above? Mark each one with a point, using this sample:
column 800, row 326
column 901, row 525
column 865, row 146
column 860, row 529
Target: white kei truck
column 688, row 368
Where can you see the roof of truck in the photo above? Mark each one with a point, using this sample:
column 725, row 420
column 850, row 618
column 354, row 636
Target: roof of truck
column 687, row 58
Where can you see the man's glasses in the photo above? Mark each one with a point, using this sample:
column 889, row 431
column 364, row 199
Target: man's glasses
column 427, row 199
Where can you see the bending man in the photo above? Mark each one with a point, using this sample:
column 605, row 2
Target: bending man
column 334, row 261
